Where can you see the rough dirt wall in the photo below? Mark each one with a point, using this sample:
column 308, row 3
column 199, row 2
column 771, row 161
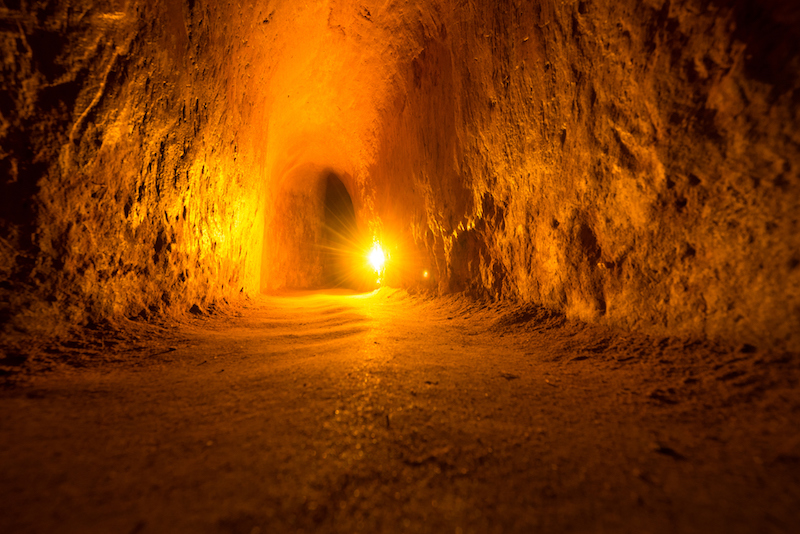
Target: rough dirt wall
column 630, row 162
column 130, row 183
column 297, row 231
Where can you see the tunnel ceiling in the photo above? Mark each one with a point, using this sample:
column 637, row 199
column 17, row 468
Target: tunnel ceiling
column 629, row 162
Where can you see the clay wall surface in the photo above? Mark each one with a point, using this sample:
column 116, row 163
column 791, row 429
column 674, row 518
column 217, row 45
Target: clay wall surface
column 130, row 184
column 632, row 163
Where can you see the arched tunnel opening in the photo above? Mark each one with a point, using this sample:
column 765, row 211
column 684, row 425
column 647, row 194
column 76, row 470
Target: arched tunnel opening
column 405, row 266
column 341, row 237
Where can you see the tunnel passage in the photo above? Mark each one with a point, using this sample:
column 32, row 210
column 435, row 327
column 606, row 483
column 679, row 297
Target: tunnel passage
column 645, row 156
column 340, row 243
column 312, row 235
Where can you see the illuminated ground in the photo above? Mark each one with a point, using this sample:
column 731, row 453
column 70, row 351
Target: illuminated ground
column 388, row 412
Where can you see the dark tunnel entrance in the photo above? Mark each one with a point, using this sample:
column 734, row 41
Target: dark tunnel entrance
column 339, row 236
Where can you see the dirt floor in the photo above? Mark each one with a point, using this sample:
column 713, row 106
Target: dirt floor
column 388, row 412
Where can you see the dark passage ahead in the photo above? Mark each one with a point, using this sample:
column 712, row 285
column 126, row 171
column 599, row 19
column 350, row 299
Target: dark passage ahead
column 340, row 243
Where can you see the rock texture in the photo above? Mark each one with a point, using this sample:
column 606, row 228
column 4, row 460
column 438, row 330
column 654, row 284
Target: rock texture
column 633, row 163
column 130, row 186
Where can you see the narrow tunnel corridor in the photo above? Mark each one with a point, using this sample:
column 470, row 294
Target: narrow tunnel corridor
column 457, row 266
column 341, row 243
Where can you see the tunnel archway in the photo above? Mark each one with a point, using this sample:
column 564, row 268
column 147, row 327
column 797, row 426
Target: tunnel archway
column 339, row 235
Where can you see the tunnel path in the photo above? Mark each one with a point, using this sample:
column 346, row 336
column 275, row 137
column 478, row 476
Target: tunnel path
column 387, row 412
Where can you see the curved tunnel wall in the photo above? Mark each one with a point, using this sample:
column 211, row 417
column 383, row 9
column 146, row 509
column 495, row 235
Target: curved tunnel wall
column 131, row 184
column 627, row 162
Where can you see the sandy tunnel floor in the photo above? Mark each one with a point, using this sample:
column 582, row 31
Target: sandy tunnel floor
column 388, row 412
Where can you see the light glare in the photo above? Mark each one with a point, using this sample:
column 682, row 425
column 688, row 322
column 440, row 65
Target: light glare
column 377, row 258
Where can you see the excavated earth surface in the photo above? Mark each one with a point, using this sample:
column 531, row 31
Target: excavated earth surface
column 629, row 163
column 390, row 412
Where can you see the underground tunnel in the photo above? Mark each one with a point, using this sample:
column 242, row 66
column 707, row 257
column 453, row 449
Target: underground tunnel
column 340, row 237
column 399, row 266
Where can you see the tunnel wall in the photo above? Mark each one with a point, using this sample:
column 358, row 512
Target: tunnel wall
column 130, row 184
column 634, row 163
column 295, row 231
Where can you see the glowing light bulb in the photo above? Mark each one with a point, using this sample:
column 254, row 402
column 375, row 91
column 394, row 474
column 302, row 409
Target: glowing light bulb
column 424, row 274
column 377, row 258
